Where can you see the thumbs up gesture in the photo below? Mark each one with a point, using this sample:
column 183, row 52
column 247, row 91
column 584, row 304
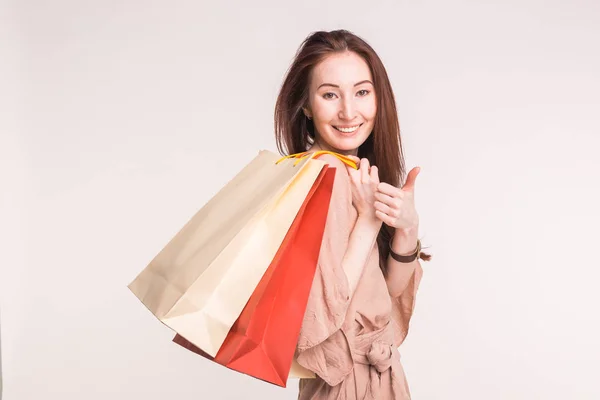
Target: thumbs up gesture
column 396, row 206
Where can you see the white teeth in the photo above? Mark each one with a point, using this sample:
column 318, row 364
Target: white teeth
column 347, row 130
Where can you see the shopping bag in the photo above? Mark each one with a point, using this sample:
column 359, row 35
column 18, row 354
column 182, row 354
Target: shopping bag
column 201, row 280
column 263, row 339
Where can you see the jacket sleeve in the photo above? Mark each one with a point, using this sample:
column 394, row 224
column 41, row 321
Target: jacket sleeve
column 403, row 306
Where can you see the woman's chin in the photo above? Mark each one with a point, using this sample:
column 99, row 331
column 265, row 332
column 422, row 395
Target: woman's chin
column 349, row 143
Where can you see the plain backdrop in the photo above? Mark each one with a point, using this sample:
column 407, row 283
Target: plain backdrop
column 120, row 119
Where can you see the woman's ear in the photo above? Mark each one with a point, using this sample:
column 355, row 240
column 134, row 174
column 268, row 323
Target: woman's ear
column 307, row 112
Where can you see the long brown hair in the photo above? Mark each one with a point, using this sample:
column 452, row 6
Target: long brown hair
column 294, row 132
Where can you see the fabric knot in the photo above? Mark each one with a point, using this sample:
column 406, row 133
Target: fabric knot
column 380, row 356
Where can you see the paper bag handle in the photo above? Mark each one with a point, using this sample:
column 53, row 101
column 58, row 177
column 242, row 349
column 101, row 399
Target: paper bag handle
column 299, row 156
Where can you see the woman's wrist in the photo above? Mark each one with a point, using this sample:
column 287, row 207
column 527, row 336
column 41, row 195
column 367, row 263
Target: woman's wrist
column 405, row 240
column 373, row 223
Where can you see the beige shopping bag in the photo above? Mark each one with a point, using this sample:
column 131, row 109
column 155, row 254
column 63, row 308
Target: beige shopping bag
column 201, row 280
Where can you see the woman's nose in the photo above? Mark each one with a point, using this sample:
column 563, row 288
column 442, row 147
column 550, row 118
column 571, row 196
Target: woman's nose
column 347, row 110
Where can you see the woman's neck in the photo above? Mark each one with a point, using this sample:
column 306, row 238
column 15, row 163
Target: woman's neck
column 323, row 146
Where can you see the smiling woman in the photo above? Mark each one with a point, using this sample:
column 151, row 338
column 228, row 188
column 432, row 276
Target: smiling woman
column 341, row 108
column 337, row 97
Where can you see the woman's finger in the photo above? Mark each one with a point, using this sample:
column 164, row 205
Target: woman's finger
column 386, row 219
column 374, row 175
column 390, row 190
column 353, row 174
column 364, row 169
column 384, row 208
column 387, row 200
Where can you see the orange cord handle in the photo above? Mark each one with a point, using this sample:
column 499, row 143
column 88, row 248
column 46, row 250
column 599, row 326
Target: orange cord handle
column 299, row 156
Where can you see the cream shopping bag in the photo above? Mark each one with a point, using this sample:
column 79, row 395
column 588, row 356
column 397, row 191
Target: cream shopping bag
column 201, row 280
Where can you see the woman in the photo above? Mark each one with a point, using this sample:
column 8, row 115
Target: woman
column 337, row 97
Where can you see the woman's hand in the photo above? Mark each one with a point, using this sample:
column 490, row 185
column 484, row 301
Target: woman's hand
column 396, row 206
column 364, row 182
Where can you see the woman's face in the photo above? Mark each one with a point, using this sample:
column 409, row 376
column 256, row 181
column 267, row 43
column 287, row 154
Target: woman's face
column 342, row 102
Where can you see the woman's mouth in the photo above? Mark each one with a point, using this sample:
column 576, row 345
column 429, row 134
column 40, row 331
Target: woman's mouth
column 347, row 129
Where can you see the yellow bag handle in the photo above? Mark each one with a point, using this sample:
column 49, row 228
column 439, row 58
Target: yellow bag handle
column 299, row 156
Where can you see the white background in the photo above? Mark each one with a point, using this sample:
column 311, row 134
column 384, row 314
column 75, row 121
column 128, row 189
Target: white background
column 119, row 119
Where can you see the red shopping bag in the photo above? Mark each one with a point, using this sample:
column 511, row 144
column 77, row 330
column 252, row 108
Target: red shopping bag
column 262, row 341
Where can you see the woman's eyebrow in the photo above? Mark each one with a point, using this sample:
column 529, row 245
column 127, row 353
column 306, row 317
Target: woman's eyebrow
column 336, row 86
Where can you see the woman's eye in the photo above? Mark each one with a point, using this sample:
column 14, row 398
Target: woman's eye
column 328, row 95
column 363, row 92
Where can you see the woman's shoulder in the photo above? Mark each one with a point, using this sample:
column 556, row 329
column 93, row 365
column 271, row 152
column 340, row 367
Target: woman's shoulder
column 341, row 200
column 342, row 178
column 333, row 162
